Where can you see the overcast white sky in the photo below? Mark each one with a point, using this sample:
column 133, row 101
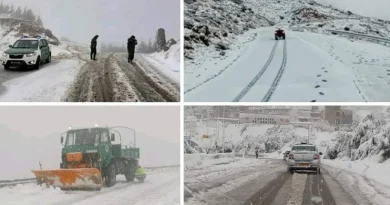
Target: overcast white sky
column 373, row 8
column 114, row 21
column 32, row 134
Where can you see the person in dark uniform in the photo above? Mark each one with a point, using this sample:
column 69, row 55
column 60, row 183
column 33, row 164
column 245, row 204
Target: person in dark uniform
column 257, row 153
column 131, row 43
column 93, row 47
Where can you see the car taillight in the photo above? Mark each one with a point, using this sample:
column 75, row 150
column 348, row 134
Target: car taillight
column 316, row 156
column 291, row 156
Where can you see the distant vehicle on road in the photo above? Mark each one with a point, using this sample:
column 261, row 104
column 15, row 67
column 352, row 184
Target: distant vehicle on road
column 27, row 52
column 304, row 157
column 280, row 33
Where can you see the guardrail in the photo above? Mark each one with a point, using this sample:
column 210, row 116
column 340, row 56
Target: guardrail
column 387, row 40
column 370, row 38
column 15, row 182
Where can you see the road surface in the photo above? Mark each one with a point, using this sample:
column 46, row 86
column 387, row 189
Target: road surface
column 73, row 77
column 261, row 182
column 160, row 187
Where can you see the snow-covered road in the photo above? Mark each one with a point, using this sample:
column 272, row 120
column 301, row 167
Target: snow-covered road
column 161, row 187
column 266, row 181
column 72, row 76
column 306, row 67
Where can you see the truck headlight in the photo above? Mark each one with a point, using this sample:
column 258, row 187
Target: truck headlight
column 5, row 54
column 31, row 54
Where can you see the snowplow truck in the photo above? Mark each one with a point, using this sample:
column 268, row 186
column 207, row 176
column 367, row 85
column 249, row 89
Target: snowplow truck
column 91, row 159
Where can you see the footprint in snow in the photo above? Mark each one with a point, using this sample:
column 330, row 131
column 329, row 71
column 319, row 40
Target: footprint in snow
column 324, row 81
column 318, row 75
column 326, row 71
column 321, row 93
column 317, row 86
column 313, row 101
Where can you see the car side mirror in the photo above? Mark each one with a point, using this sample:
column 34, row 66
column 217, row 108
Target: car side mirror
column 112, row 137
column 62, row 140
column 10, row 46
column 320, row 153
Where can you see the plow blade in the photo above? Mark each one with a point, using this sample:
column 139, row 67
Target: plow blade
column 71, row 179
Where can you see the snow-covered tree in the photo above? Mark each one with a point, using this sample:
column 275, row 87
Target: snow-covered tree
column 39, row 21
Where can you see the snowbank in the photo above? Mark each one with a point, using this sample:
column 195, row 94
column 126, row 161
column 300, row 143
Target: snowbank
column 168, row 62
column 204, row 160
column 49, row 84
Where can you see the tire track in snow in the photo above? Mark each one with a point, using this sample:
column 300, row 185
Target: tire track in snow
column 257, row 77
column 274, row 85
column 150, row 90
column 220, row 72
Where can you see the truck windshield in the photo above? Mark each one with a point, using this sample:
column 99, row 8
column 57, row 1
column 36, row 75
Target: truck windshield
column 79, row 137
column 101, row 134
column 26, row 44
column 304, row 148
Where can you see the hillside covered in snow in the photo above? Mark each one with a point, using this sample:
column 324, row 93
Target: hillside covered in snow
column 216, row 24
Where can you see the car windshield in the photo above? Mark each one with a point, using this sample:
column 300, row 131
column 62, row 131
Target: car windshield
column 26, row 44
column 304, row 148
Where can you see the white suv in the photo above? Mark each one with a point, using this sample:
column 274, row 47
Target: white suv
column 27, row 52
column 304, row 157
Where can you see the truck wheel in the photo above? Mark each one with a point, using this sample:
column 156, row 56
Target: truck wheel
column 318, row 171
column 284, row 37
column 38, row 63
column 6, row 67
column 276, row 38
column 110, row 176
column 130, row 172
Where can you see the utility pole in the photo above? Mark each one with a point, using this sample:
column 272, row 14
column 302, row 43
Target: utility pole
column 223, row 131
column 217, row 130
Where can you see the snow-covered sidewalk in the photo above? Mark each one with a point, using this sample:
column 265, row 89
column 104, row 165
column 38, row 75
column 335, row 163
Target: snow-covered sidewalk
column 366, row 181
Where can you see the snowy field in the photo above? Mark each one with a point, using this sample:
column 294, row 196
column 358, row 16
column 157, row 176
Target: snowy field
column 160, row 187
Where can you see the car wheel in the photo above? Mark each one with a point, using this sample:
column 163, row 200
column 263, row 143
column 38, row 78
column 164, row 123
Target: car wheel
column 48, row 58
column 276, row 38
column 6, row 67
column 319, row 171
column 38, row 63
column 290, row 171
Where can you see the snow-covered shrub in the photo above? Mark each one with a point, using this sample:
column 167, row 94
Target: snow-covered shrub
column 323, row 126
column 371, row 137
column 341, row 144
